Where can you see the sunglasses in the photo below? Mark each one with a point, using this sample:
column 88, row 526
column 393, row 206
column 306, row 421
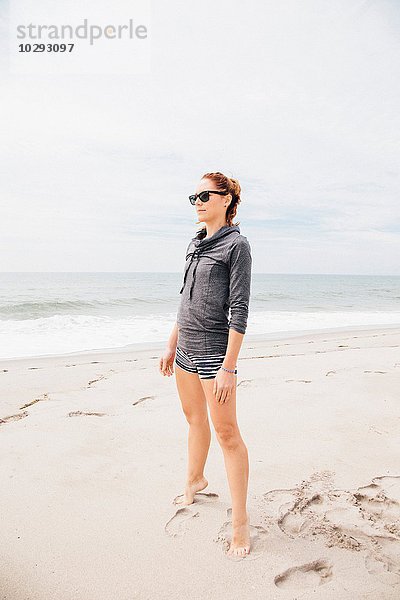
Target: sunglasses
column 205, row 196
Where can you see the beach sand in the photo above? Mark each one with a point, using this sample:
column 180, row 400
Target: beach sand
column 94, row 448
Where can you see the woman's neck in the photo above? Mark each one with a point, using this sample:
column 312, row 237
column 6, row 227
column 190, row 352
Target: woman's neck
column 211, row 229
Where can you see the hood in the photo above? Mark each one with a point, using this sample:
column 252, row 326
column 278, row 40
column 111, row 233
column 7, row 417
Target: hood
column 210, row 242
column 202, row 246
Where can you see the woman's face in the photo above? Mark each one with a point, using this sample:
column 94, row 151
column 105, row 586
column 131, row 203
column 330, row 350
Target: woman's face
column 215, row 208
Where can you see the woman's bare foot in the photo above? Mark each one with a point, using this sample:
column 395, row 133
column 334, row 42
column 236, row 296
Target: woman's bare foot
column 240, row 545
column 190, row 491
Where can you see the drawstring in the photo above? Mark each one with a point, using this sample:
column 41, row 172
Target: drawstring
column 196, row 254
column 194, row 277
column 187, row 269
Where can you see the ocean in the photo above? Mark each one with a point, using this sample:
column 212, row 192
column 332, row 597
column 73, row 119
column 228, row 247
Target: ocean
column 57, row 313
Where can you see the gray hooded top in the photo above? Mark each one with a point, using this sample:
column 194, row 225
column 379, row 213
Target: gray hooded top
column 217, row 277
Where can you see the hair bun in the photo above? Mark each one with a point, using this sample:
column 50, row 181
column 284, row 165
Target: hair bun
column 236, row 189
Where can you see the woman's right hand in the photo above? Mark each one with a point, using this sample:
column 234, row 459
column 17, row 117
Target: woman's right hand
column 166, row 363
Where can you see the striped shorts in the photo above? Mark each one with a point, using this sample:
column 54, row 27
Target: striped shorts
column 206, row 365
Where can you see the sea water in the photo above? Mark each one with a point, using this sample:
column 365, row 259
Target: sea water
column 57, row 313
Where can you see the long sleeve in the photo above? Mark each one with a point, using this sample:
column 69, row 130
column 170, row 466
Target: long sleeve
column 240, row 262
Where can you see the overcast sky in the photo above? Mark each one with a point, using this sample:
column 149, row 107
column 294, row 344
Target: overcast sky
column 299, row 100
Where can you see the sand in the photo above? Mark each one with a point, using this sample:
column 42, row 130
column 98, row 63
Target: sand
column 93, row 451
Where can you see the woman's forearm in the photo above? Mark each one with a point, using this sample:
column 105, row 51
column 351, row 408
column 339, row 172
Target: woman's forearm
column 232, row 352
column 173, row 338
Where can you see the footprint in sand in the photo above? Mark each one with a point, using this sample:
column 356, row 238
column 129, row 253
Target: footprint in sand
column 376, row 430
column 44, row 397
column 13, row 417
column 78, row 413
column 99, row 378
column 142, row 400
column 279, row 501
column 245, row 383
column 384, row 562
column 199, row 498
column 364, row 519
column 307, row 576
column 381, row 499
column 258, row 540
column 179, row 523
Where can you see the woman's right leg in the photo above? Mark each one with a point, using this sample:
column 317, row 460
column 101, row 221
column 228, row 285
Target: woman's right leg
column 194, row 405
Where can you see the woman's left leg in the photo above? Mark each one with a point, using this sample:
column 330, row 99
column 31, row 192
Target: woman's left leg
column 236, row 461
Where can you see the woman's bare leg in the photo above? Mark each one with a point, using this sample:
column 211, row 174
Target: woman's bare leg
column 236, row 463
column 194, row 405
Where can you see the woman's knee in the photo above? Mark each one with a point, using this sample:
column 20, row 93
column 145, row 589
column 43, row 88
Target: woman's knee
column 196, row 418
column 228, row 435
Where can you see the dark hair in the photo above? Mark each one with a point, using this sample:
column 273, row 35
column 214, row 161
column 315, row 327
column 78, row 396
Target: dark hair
column 229, row 185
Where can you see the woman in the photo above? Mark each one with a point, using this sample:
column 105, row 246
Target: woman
column 205, row 344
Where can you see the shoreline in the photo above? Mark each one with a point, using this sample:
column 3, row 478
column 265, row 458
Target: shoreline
column 249, row 338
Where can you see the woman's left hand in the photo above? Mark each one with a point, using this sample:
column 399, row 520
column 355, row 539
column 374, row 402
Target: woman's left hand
column 224, row 384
